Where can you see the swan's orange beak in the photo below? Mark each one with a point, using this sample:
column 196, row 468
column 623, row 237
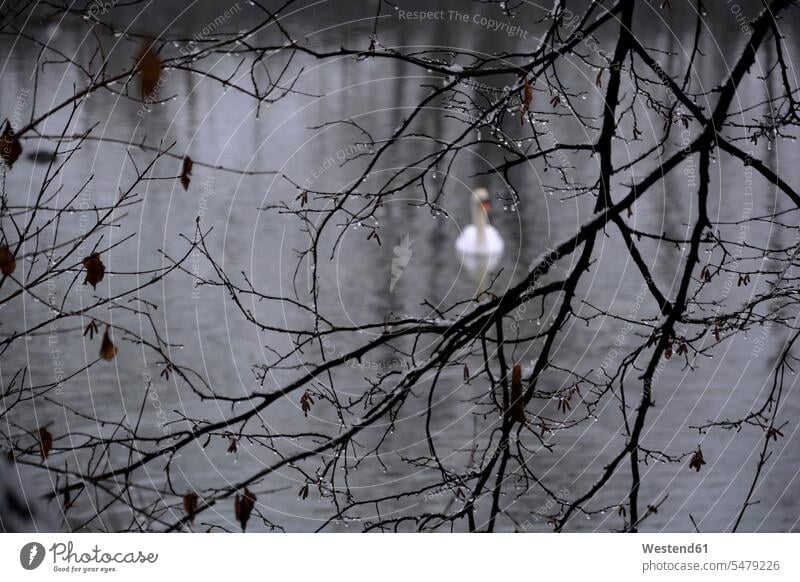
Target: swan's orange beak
column 486, row 206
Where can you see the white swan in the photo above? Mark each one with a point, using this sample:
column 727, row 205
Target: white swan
column 480, row 245
column 480, row 237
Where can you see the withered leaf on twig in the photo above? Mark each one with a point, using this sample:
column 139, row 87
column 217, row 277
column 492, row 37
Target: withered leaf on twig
column 95, row 270
column 306, row 402
column 527, row 99
column 303, row 493
column 149, row 66
column 91, row 329
column 466, row 373
column 374, row 234
column 697, row 460
column 45, row 443
column 186, row 172
column 168, row 369
column 233, row 446
column 517, row 408
column 564, row 405
column 7, row 261
column 243, row 506
column 10, row 148
column 107, row 348
column 190, row 505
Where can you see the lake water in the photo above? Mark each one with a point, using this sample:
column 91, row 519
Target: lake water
column 291, row 137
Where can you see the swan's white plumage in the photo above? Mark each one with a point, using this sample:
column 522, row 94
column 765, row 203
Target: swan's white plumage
column 470, row 243
column 479, row 244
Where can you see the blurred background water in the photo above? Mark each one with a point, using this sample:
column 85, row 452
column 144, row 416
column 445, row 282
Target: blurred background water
column 224, row 128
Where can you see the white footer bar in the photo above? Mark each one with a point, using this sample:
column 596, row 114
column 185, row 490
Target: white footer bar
column 428, row 557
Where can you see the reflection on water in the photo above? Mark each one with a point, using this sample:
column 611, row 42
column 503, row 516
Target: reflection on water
column 362, row 282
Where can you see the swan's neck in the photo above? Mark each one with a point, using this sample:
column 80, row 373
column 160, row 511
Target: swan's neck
column 479, row 219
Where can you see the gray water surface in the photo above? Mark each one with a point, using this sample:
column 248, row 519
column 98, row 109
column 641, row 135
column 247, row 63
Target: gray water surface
column 224, row 128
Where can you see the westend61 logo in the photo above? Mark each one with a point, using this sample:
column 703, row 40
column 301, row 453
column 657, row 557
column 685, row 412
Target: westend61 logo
column 67, row 559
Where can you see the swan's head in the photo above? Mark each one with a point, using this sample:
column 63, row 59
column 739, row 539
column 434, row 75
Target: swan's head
column 481, row 196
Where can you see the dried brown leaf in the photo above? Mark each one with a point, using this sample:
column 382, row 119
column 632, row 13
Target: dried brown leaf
column 306, row 402
column 95, row 270
column 186, row 172
column 107, row 348
column 7, row 261
column 190, row 505
column 10, row 148
column 527, row 99
column 45, row 442
column 697, row 460
column 243, row 506
column 517, row 406
column 150, row 67
column 233, row 445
